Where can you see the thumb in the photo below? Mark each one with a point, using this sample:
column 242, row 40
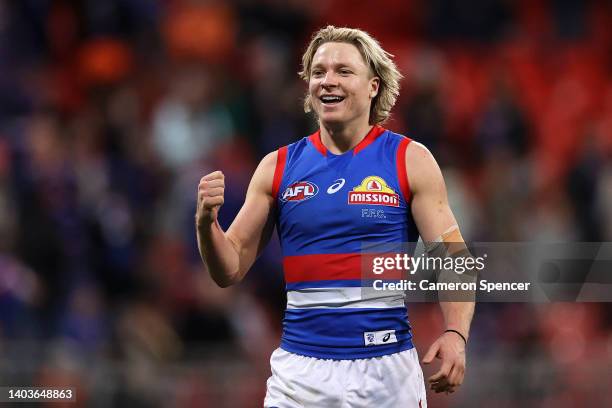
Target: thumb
column 215, row 212
column 431, row 353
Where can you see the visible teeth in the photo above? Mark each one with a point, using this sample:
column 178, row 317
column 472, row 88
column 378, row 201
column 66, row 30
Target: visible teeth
column 331, row 98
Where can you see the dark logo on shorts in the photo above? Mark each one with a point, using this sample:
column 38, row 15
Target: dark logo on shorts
column 379, row 337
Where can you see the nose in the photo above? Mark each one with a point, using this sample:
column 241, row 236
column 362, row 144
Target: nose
column 329, row 80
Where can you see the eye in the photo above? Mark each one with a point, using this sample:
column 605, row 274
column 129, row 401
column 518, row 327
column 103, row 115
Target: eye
column 345, row 71
column 316, row 73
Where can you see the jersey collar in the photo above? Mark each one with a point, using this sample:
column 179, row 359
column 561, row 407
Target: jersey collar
column 372, row 135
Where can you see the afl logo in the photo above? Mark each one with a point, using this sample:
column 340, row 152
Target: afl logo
column 300, row 191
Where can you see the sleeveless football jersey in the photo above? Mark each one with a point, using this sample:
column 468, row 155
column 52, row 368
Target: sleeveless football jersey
column 328, row 207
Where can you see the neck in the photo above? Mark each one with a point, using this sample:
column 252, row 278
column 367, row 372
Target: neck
column 342, row 138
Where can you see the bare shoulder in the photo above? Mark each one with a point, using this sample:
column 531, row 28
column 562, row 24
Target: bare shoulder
column 268, row 163
column 422, row 168
column 417, row 153
column 264, row 174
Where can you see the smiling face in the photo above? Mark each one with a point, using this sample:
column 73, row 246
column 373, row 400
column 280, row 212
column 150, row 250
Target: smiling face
column 341, row 85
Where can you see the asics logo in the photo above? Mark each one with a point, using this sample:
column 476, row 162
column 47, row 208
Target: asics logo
column 378, row 338
column 338, row 184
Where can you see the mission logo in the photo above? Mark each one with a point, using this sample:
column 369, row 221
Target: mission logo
column 300, row 191
column 374, row 190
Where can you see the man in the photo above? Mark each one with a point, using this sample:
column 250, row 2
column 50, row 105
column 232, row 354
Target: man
column 352, row 182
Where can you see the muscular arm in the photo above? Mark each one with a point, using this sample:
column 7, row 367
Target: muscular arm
column 229, row 255
column 434, row 219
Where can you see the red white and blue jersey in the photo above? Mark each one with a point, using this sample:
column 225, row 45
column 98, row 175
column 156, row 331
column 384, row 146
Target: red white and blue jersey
column 328, row 207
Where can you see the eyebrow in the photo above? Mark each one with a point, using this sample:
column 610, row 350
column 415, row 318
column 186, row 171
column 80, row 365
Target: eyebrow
column 337, row 65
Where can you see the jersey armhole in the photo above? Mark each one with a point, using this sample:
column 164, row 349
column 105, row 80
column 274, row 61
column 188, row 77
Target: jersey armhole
column 281, row 160
column 402, row 173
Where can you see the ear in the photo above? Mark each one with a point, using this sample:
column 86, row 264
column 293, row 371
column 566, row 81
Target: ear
column 374, row 86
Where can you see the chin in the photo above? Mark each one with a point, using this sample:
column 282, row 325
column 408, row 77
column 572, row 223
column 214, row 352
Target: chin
column 331, row 117
column 331, row 121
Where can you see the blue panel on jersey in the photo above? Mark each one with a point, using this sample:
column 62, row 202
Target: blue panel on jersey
column 326, row 222
column 339, row 333
column 332, row 204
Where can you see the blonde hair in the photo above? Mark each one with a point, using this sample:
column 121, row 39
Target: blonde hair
column 376, row 58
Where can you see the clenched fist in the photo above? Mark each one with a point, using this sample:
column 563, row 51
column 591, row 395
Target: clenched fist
column 210, row 198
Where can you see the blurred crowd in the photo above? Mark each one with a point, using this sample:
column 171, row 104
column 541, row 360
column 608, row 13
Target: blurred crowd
column 111, row 111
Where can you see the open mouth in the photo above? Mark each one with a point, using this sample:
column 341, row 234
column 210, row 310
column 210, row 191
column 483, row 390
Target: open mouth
column 331, row 99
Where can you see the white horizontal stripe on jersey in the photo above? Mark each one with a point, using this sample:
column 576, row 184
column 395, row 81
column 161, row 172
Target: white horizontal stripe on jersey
column 323, row 298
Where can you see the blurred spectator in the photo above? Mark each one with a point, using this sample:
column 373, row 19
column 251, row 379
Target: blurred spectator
column 189, row 122
column 85, row 322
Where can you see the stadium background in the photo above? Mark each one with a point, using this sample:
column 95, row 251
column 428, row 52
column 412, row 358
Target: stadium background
column 111, row 111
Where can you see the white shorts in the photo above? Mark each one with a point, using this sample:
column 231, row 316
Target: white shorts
column 391, row 381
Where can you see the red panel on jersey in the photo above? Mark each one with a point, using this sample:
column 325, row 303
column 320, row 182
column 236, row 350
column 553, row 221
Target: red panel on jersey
column 281, row 159
column 402, row 173
column 322, row 267
column 370, row 137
